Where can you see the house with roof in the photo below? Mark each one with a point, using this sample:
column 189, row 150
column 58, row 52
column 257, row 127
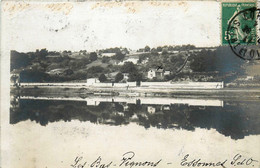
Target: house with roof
column 157, row 73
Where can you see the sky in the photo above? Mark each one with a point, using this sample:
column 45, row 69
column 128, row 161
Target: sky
column 92, row 25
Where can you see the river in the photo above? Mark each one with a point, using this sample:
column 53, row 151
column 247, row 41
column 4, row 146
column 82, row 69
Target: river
column 52, row 132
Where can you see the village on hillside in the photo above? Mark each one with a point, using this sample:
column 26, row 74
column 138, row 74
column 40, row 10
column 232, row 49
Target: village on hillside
column 121, row 65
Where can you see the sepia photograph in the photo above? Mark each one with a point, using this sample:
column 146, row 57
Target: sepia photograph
column 131, row 84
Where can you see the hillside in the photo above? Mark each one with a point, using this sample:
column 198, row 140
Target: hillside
column 186, row 63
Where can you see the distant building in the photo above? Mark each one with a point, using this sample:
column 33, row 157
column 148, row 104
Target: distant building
column 156, row 73
column 107, row 54
column 249, row 78
column 126, row 76
column 92, row 81
column 167, row 72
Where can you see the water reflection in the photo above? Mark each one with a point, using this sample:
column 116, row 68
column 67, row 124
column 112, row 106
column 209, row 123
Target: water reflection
column 230, row 118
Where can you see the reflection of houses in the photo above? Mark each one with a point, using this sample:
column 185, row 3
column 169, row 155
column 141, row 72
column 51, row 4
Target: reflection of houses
column 157, row 73
column 151, row 109
column 125, row 107
column 180, row 117
column 166, row 107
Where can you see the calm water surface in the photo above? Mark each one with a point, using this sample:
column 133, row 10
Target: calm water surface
column 52, row 132
column 232, row 118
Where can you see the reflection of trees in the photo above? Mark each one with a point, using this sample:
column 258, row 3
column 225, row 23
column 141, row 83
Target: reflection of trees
column 235, row 120
column 173, row 118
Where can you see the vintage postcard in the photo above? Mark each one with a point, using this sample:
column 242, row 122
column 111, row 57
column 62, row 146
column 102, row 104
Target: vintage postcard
column 130, row 84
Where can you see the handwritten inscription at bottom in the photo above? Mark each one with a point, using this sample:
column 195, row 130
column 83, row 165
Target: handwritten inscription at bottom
column 128, row 160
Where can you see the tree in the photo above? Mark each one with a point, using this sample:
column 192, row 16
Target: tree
column 85, row 60
column 147, row 48
column 95, row 69
column 19, row 60
column 154, row 51
column 159, row 49
column 68, row 72
column 34, row 76
column 105, row 59
column 135, row 76
column 42, row 53
column 102, row 78
column 128, row 67
column 119, row 56
column 119, row 77
column 170, row 48
column 164, row 51
column 93, row 56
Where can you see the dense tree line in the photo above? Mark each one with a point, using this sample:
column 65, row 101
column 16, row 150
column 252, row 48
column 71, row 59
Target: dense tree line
column 44, row 65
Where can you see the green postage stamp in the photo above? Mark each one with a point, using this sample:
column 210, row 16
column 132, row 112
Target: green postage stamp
column 240, row 22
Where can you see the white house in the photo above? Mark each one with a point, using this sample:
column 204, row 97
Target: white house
column 155, row 73
column 92, row 81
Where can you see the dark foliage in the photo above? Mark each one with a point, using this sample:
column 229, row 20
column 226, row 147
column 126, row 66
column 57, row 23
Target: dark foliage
column 102, row 78
column 119, row 77
column 19, row 60
column 34, row 76
column 93, row 56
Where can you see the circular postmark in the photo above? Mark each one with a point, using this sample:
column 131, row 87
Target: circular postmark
column 242, row 34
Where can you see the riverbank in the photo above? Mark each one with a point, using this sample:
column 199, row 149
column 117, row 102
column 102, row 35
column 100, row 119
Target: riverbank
column 228, row 93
